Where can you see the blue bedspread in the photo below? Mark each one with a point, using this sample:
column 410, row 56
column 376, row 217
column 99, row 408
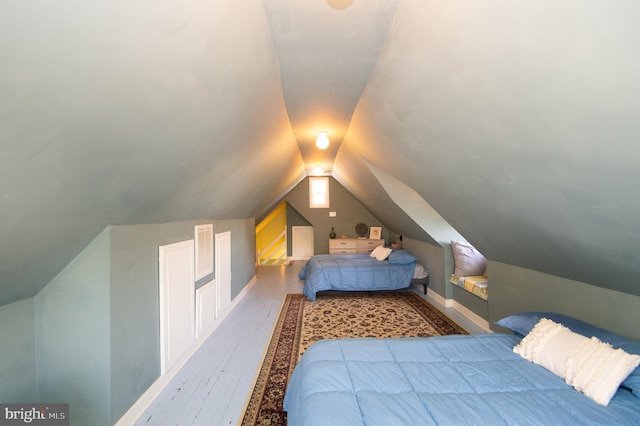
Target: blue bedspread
column 448, row 380
column 353, row 272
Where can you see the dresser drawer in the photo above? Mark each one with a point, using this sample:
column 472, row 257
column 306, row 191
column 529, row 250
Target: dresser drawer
column 367, row 246
column 343, row 251
column 342, row 244
column 353, row 245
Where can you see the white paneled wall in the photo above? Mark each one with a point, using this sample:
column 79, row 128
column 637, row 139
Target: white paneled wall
column 177, row 308
column 205, row 308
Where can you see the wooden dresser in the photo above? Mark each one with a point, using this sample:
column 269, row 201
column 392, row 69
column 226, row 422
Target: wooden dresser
column 353, row 245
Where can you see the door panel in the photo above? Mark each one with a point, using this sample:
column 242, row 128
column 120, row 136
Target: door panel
column 177, row 301
column 302, row 241
column 223, row 270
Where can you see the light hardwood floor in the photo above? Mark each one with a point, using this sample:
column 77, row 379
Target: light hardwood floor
column 212, row 388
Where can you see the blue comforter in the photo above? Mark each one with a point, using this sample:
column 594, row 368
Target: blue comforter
column 448, row 380
column 356, row 272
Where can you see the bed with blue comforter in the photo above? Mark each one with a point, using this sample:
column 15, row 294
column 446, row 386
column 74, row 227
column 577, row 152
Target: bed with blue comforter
column 357, row 272
column 447, row 380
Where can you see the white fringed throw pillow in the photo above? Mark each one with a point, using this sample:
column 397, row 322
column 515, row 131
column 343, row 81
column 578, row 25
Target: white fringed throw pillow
column 597, row 369
column 589, row 365
column 533, row 346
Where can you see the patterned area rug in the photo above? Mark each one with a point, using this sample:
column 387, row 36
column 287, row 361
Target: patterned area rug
column 333, row 316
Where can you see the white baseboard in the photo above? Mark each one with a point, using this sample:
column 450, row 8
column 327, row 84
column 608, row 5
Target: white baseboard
column 450, row 303
column 145, row 400
column 441, row 300
column 290, row 258
column 472, row 316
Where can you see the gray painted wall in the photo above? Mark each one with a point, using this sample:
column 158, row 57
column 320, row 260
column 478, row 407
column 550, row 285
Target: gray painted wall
column 349, row 212
column 72, row 337
column 514, row 289
column 91, row 337
column 18, row 366
column 433, row 257
column 134, row 310
column 470, row 301
column 243, row 249
column 135, row 328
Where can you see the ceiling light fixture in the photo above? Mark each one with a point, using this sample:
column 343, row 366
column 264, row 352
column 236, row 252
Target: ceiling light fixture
column 322, row 141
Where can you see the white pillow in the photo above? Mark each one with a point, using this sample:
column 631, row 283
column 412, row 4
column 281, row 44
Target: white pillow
column 597, row 369
column 558, row 349
column 381, row 253
column 532, row 345
column 589, row 365
column 376, row 251
column 468, row 260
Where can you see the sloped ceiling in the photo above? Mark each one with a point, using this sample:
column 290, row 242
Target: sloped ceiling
column 327, row 51
column 515, row 121
column 118, row 113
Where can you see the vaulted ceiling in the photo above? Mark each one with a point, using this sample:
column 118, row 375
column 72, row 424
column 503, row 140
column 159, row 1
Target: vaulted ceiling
column 516, row 121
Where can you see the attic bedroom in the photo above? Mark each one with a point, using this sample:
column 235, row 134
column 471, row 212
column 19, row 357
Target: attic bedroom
column 508, row 125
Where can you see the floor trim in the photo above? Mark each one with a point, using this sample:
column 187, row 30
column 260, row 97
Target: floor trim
column 463, row 310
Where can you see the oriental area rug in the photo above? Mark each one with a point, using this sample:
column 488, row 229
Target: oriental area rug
column 334, row 315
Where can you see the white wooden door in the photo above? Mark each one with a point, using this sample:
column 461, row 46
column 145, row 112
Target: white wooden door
column 177, row 302
column 302, row 242
column 223, row 270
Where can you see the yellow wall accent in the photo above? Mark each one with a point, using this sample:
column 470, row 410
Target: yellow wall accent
column 269, row 229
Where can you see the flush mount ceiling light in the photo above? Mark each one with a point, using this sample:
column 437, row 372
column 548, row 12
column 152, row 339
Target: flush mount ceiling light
column 322, row 141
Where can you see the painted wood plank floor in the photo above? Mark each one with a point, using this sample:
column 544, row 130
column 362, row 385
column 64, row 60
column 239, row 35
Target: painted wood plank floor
column 213, row 386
